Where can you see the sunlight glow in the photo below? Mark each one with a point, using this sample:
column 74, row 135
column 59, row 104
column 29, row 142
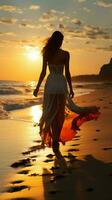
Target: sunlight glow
column 36, row 113
column 32, row 53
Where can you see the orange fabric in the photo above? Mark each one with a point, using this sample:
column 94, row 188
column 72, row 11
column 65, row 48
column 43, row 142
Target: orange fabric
column 71, row 124
column 68, row 133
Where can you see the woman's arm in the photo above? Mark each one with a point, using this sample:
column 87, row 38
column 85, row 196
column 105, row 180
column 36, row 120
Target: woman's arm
column 42, row 75
column 68, row 75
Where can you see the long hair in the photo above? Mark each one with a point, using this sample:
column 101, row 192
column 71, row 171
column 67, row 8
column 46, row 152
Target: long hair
column 52, row 45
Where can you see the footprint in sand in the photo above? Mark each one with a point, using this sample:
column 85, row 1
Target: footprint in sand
column 75, row 145
column 17, row 181
column 97, row 130
column 76, row 138
column 26, row 153
column 35, row 156
column 71, row 150
column 54, row 168
column 34, row 174
column 107, row 148
column 33, row 160
column 48, row 160
column 46, row 174
column 50, row 156
column 95, row 139
column 22, row 163
column 23, row 171
column 33, row 149
column 17, row 188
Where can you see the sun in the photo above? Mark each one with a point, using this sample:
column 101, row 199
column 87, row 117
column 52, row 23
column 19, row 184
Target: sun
column 33, row 54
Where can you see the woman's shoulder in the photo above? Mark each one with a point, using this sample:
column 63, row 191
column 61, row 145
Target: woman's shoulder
column 66, row 53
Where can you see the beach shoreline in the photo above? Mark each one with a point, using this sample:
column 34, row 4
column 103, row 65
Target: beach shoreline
column 88, row 157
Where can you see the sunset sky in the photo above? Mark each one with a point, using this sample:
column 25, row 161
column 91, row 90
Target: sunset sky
column 25, row 24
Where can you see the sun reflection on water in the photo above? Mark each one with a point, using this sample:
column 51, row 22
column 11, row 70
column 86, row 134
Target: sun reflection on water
column 36, row 113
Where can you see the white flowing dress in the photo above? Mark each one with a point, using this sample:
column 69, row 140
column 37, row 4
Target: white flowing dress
column 55, row 100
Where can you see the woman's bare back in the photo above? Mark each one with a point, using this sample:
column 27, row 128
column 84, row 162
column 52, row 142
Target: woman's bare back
column 59, row 58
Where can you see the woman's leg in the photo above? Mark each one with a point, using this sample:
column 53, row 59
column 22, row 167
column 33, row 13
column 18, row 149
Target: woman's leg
column 57, row 124
column 56, row 128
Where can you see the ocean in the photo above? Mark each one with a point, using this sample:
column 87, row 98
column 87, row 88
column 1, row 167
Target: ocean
column 18, row 95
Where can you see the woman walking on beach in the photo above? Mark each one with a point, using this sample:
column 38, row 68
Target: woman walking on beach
column 55, row 91
column 58, row 93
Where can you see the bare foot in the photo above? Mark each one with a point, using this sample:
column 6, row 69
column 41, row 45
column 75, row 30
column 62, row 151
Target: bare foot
column 61, row 161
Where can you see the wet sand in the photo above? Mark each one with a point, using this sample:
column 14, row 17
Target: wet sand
column 36, row 174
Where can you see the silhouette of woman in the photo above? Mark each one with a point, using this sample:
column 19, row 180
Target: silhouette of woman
column 58, row 92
